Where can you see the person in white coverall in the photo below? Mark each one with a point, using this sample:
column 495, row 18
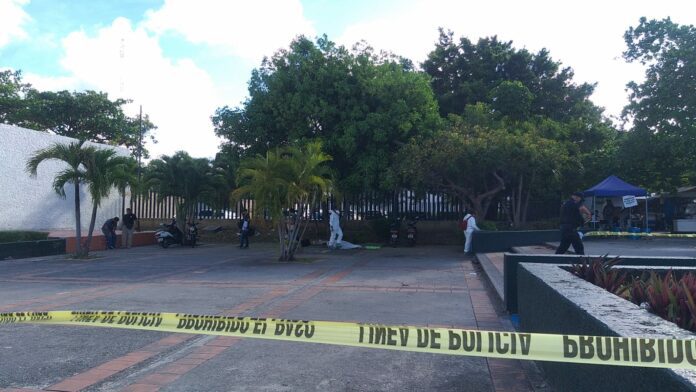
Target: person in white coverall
column 469, row 231
column 335, row 226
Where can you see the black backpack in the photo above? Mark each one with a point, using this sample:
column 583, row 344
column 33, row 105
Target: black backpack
column 240, row 224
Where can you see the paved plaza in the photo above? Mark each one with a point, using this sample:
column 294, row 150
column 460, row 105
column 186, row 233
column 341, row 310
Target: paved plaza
column 422, row 286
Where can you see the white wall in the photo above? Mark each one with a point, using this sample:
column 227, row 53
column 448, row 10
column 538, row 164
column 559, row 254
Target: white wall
column 28, row 203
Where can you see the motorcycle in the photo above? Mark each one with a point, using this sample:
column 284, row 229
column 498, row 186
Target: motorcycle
column 394, row 229
column 192, row 234
column 411, row 231
column 169, row 234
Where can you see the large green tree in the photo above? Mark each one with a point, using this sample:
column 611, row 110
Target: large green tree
column 363, row 106
column 533, row 99
column 660, row 150
column 484, row 160
column 87, row 115
column 12, row 89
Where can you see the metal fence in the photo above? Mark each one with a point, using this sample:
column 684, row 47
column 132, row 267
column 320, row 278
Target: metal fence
column 431, row 206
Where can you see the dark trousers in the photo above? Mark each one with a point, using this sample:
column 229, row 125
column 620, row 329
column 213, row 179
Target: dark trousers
column 244, row 239
column 110, row 239
column 569, row 235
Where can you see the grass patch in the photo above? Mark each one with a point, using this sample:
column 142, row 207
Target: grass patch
column 17, row 236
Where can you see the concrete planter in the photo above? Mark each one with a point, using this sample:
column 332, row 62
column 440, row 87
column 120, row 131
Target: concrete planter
column 503, row 241
column 552, row 300
column 512, row 262
column 24, row 249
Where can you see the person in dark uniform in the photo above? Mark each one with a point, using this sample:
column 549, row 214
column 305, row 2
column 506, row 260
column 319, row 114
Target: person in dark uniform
column 573, row 215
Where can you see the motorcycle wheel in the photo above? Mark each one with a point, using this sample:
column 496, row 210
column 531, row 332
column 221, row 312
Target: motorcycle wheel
column 165, row 243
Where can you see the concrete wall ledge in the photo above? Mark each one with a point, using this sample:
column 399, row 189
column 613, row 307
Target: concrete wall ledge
column 24, row 249
column 503, row 241
column 512, row 261
column 552, row 300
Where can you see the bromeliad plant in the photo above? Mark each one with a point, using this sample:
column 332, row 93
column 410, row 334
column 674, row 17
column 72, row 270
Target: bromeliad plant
column 601, row 272
column 666, row 296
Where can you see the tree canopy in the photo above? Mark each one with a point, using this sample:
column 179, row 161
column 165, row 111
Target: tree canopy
column 663, row 107
column 363, row 106
column 86, row 115
column 514, row 81
column 191, row 179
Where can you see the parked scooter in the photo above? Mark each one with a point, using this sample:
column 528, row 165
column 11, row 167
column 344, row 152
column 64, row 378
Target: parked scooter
column 169, row 234
column 411, row 231
column 394, row 229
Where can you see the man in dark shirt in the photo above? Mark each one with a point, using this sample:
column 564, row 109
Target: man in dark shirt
column 128, row 228
column 109, row 230
column 573, row 215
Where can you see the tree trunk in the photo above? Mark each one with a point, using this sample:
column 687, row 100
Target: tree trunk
column 517, row 203
column 525, row 209
column 281, row 240
column 300, row 228
column 78, row 223
column 88, row 242
column 478, row 202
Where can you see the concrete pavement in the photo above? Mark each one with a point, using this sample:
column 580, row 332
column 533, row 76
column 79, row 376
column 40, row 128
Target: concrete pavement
column 421, row 286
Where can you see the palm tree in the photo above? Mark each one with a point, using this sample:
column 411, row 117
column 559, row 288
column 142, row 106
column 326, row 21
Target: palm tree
column 104, row 170
column 74, row 155
column 284, row 178
column 190, row 179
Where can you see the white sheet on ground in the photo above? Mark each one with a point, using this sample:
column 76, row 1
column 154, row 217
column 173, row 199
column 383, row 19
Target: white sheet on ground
column 347, row 245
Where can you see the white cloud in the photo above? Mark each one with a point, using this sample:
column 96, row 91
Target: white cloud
column 12, row 18
column 127, row 62
column 249, row 29
column 587, row 37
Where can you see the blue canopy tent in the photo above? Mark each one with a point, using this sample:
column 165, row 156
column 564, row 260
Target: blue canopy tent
column 613, row 186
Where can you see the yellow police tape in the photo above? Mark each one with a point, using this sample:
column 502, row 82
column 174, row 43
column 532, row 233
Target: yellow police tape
column 629, row 234
column 623, row 351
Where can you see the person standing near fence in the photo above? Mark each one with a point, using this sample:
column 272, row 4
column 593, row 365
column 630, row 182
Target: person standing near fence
column 336, row 235
column 468, row 225
column 129, row 221
column 244, row 234
column 573, row 215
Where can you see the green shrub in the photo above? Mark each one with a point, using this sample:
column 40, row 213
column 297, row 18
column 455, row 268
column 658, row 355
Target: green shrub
column 16, row 236
column 380, row 229
column 487, row 225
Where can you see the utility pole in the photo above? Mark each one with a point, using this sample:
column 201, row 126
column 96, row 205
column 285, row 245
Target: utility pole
column 140, row 144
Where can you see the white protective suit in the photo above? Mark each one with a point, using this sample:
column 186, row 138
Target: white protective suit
column 335, row 226
column 470, row 228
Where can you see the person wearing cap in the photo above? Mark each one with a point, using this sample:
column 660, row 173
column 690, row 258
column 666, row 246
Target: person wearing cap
column 573, row 215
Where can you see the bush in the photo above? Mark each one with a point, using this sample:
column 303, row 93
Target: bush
column 487, row 225
column 380, row 228
column 16, row 236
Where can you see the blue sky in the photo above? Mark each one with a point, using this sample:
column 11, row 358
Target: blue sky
column 181, row 59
